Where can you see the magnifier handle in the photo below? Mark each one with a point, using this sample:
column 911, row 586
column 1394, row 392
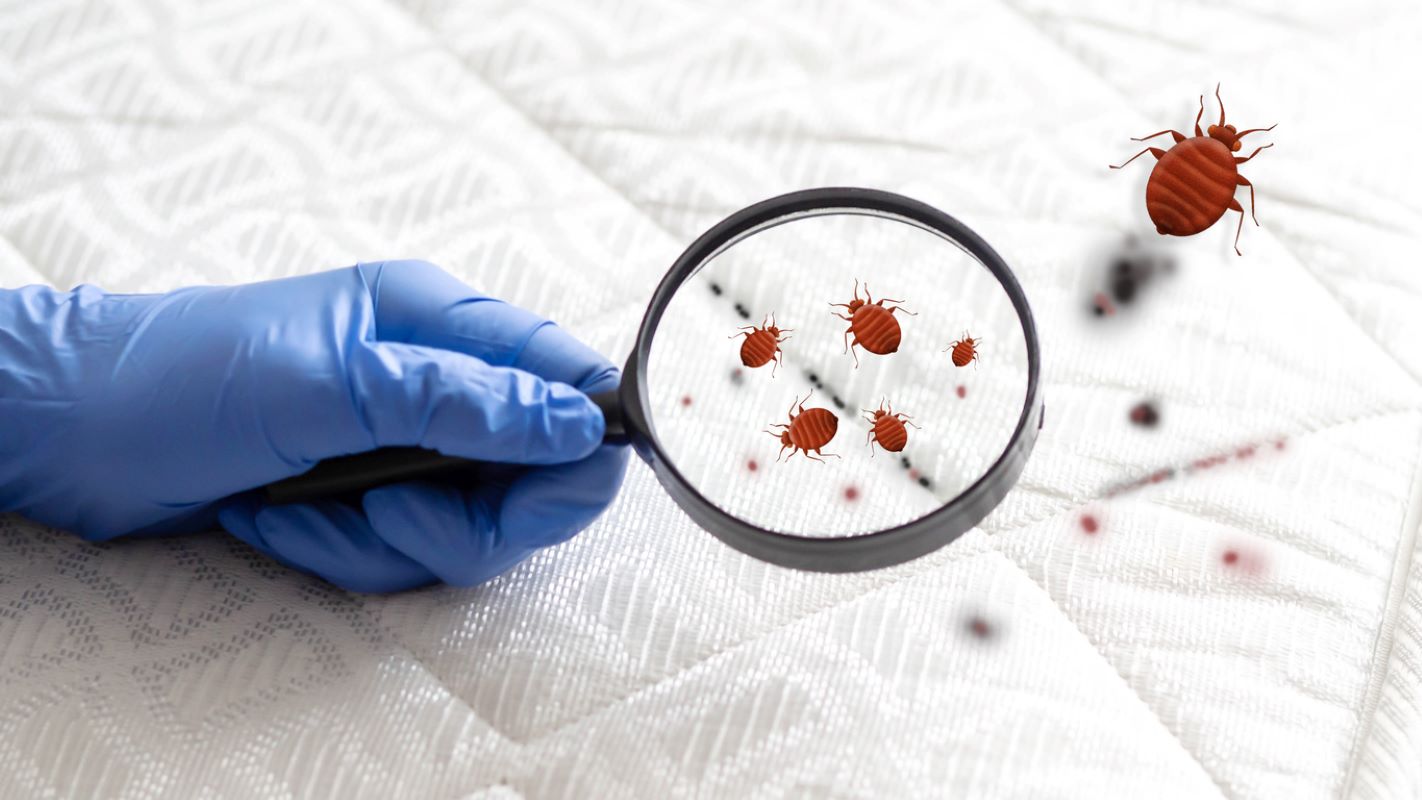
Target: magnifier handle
column 362, row 471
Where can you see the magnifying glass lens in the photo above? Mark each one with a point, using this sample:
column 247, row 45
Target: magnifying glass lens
column 767, row 371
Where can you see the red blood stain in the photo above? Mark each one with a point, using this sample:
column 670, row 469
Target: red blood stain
column 686, row 399
column 1244, row 452
column 1279, row 445
column 1244, row 560
column 1102, row 305
column 1089, row 524
column 979, row 627
column 913, row 474
column 962, row 390
column 851, row 493
column 752, row 466
column 1146, row 415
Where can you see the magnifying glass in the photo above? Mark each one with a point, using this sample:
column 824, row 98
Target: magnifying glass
column 835, row 380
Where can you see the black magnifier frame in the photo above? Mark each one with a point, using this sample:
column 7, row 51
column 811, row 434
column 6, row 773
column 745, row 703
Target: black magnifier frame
column 628, row 420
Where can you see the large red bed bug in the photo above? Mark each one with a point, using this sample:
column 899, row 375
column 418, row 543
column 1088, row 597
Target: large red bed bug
column 808, row 430
column 873, row 325
column 1193, row 182
column 762, row 345
column 964, row 350
column 888, row 430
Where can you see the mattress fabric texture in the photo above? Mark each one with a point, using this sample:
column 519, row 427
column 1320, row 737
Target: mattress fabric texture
column 1248, row 630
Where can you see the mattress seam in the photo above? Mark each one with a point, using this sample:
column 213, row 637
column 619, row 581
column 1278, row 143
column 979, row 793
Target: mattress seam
column 1110, row 665
column 1381, row 666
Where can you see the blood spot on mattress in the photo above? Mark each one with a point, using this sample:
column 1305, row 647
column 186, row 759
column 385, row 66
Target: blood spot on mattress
column 1089, row 525
column 1242, row 559
column 979, row 628
column 686, row 400
column 752, row 466
column 737, row 377
column 1102, row 306
column 851, row 493
column 1145, row 414
column 913, row 474
column 962, row 391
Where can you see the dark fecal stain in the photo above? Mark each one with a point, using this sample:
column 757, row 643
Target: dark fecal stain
column 904, row 460
column 838, row 403
column 1089, row 524
column 737, row 377
column 1145, row 414
column 924, row 482
column 716, row 289
column 740, row 309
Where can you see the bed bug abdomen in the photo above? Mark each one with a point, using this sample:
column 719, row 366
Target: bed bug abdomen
column 876, row 330
column 761, row 345
column 808, row 430
column 1191, row 186
column 888, row 428
column 965, row 350
column 872, row 323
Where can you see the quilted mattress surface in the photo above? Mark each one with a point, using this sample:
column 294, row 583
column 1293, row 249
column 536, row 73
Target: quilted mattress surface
column 1248, row 629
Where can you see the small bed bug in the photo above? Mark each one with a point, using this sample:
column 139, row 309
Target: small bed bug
column 964, row 350
column 888, row 428
column 1193, row 182
column 808, row 430
column 761, row 345
column 872, row 324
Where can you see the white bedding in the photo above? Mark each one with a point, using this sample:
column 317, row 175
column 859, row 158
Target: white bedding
column 561, row 156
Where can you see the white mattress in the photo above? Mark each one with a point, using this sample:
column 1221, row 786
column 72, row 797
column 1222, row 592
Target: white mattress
column 561, row 155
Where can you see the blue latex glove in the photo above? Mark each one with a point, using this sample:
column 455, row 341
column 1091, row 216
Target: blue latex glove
column 154, row 414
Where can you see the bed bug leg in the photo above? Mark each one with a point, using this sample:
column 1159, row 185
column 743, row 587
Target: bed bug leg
column 823, row 453
column 1243, row 181
column 1239, row 160
column 1155, row 151
column 1234, row 204
column 1179, row 137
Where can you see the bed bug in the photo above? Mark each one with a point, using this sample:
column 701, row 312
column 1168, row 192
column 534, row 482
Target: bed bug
column 761, row 345
column 808, row 430
column 888, row 430
column 873, row 325
column 964, row 350
column 1193, row 182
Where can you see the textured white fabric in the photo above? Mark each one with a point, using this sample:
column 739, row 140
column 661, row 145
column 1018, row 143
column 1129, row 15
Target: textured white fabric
column 561, row 155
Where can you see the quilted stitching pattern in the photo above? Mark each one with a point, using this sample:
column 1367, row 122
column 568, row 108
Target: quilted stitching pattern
column 561, row 157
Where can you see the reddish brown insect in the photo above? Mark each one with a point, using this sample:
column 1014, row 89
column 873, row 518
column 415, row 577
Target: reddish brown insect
column 762, row 344
column 888, row 430
column 964, row 350
column 1193, row 183
column 806, row 431
column 872, row 324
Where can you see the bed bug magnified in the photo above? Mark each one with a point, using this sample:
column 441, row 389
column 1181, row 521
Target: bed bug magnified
column 872, row 323
column 807, row 430
column 1193, row 182
column 964, row 350
column 888, row 430
column 762, row 345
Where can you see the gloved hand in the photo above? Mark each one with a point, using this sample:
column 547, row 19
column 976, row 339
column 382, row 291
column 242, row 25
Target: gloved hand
column 154, row 414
